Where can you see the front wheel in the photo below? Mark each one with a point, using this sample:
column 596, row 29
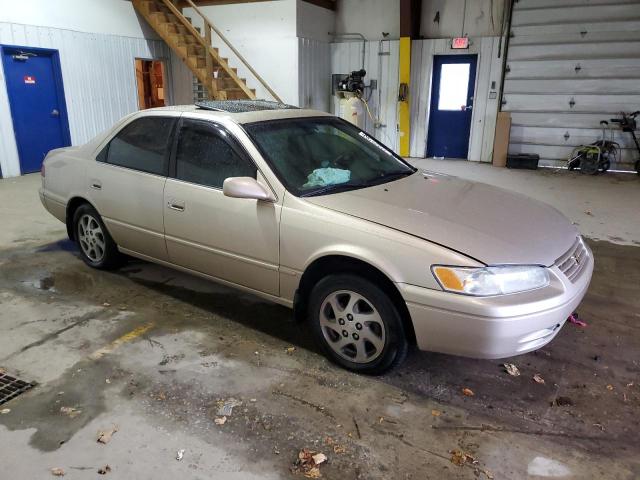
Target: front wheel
column 357, row 325
column 97, row 248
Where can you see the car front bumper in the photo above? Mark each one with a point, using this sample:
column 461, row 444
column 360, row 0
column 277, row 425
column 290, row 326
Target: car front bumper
column 494, row 327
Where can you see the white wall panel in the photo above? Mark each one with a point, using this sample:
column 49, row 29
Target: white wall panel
column 381, row 61
column 569, row 66
column 99, row 78
column 484, row 108
column 314, row 74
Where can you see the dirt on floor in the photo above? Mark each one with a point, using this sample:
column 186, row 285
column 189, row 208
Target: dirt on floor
column 170, row 362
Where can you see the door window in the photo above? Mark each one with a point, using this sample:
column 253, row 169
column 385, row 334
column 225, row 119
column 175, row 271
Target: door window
column 454, row 86
column 142, row 145
column 205, row 156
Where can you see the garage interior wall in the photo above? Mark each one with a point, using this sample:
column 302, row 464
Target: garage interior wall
column 381, row 60
column 486, row 98
column 265, row 34
column 568, row 68
column 98, row 68
column 441, row 20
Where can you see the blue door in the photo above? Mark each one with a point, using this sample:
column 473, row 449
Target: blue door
column 36, row 97
column 454, row 78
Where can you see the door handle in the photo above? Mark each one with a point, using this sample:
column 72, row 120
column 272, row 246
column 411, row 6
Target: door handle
column 55, row 112
column 96, row 185
column 177, row 206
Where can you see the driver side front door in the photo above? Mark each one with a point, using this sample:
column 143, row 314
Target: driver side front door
column 232, row 239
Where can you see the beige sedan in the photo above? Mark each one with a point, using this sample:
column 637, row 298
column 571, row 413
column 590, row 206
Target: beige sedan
column 308, row 211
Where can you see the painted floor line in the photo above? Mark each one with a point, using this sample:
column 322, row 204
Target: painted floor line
column 127, row 337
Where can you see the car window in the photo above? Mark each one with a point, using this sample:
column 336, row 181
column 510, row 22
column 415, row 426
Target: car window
column 323, row 155
column 205, row 155
column 142, row 145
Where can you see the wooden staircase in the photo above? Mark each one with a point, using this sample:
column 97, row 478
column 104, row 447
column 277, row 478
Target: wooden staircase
column 220, row 80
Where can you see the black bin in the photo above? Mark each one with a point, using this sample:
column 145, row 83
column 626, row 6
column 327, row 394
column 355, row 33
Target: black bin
column 528, row 161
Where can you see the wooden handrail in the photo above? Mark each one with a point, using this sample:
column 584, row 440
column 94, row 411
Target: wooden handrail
column 210, row 26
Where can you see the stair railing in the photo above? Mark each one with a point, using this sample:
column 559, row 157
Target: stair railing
column 208, row 27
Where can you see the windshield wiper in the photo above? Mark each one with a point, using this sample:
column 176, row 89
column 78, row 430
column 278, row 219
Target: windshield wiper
column 389, row 176
column 334, row 188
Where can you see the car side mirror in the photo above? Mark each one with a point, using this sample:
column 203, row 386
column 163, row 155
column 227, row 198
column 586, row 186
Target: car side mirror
column 246, row 187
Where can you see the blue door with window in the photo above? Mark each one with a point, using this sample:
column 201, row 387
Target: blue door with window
column 36, row 98
column 453, row 84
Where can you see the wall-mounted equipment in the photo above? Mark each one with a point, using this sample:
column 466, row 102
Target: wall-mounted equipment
column 349, row 90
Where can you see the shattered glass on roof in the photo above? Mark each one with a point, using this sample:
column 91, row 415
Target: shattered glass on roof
column 241, row 106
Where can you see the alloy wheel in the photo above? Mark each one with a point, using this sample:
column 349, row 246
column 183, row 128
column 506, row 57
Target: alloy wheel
column 352, row 326
column 91, row 238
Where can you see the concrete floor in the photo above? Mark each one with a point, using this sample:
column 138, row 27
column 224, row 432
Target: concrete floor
column 153, row 352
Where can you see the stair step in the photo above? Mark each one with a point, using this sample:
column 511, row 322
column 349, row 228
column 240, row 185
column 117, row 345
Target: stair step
column 191, row 49
column 158, row 17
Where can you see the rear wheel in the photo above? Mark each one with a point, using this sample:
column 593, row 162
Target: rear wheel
column 356, row 324
column 97, row 248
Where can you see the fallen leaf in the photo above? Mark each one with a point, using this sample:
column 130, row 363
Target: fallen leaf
column 290, row 350
column 180, row 454
column 71, row 412
column 106, row 304
column 588, row 212
column 538, row 378
column 104, row 436
column 381, row 419
column 511, row 369
column 319, row 458
column 460, row 458
column 4, row 411
column 57, row 472
column 220, row 420
column 468, row 392
column 308, row 463
column 339, row 449
column 313, row 472
column 610, row 387
column 104, row 470
column 436, row 413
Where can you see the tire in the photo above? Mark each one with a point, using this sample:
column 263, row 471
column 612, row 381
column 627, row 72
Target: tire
column 373, row 345
column 638, row 167
column 97, row 248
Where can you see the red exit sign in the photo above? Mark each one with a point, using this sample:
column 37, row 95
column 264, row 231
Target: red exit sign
column 460, row 42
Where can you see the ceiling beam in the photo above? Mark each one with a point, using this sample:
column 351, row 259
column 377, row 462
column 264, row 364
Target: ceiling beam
column 329, row 4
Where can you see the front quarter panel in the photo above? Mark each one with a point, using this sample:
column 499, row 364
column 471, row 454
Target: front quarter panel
column 309, row 232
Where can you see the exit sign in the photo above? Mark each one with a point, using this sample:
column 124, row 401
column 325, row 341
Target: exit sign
column 460, row 42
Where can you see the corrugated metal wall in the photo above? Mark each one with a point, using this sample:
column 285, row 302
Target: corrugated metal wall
column 99, row 80
column 485, row 105
column 381, row 63
column 314, row 74
column 570, row 66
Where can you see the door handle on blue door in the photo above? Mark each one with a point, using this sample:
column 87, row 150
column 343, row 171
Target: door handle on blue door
column 55, row 113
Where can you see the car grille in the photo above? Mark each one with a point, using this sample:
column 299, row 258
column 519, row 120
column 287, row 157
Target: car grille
column 572, row 263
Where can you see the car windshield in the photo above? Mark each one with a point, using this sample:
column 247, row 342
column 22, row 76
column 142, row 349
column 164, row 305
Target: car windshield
column 318, row 156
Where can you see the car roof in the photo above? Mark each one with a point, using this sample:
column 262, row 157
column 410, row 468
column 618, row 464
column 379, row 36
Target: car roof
column 242, row 111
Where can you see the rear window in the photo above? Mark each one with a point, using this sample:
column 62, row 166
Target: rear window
column 142, row 145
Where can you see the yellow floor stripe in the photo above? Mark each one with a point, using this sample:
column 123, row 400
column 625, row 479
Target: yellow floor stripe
column 127, row 337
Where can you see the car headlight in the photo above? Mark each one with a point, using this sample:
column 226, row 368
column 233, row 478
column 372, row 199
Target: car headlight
column 484, row 281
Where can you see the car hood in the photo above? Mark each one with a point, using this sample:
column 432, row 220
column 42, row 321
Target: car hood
column 489, row 224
